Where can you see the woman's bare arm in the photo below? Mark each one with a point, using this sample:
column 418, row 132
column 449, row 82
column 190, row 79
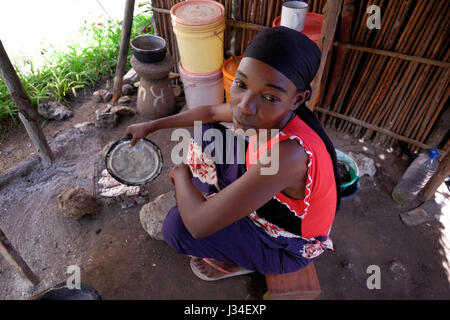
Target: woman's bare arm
column 206, row 114
column 248, row 193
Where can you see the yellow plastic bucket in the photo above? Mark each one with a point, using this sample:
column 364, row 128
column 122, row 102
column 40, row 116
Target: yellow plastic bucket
column 199, row 27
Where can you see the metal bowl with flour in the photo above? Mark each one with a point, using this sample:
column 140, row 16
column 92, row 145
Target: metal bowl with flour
column 134, row 166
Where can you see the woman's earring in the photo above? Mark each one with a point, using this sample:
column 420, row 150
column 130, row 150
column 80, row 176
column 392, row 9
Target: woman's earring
column 308, row 95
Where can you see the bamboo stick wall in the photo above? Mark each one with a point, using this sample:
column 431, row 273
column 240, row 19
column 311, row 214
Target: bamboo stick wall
column 259, row 12
column 402, row 96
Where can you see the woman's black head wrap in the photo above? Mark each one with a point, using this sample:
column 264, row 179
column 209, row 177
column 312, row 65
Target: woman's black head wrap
column 288, row 51
column 298, row 58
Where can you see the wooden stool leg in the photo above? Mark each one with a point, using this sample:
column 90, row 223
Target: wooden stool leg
column 299, row 285
column 13, row 257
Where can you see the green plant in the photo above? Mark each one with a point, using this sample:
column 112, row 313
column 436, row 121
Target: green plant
column 65, row 72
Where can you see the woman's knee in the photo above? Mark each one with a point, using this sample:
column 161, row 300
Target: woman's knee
column 173, row 228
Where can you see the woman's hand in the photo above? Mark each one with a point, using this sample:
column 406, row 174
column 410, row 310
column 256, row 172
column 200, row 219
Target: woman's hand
column 182, row 170
column 139, row 131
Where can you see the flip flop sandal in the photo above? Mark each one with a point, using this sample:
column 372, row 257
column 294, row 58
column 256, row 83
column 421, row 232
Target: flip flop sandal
column 227, row 274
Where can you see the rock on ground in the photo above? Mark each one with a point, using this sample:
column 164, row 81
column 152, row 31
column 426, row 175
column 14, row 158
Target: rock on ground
column 102, row 95
column 131, row 77
column 127, row 89
column 110, row 187
column 415, row 217
column 152, row 214
column 54, row 111
column 124, row 99
column 85, row 127
column 123, row 111
column 106, row 119
column 75, row 202
column 365, row 164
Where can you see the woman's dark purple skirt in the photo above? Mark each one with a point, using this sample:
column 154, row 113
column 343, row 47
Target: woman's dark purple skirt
column 243, row 242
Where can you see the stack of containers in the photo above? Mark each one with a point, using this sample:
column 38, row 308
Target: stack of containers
column 199, row 27
column 312, row 28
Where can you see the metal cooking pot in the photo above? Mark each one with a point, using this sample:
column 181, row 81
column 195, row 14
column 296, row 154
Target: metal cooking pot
column 134, row 166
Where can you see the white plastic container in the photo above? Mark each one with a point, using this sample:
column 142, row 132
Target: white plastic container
column 202, row 89
column 293, row 14
column 416, row 177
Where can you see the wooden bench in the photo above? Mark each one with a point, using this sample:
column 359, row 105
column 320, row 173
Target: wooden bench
column 299, row 285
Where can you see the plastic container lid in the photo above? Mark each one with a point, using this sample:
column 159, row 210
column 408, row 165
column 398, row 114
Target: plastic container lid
column 197, row 12
column 433, row 153
column 134, row 166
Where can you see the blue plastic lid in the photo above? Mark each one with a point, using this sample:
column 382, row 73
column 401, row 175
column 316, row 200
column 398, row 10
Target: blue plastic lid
column 433, row 154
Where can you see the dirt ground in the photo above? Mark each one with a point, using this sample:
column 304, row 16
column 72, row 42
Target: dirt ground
column 118, row 258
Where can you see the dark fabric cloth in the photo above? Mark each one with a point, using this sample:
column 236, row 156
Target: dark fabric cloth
column 242, row 243
column 298, row 58
column 310, row 119
column 279, row 214
column 290, row 52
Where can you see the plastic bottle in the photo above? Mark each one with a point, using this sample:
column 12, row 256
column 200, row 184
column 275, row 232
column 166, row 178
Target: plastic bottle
column 416, row 177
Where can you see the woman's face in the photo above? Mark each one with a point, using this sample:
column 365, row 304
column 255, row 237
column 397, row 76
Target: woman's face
column 261, row 97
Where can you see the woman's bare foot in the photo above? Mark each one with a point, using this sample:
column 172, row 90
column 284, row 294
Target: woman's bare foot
column 210, row 271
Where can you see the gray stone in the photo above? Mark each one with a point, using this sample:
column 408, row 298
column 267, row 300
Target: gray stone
column 152, row 214
column 75, row 202
column 102, row 95
column 97, row 97
column 106, row 95
column 123, row 111
column 124, row 99
column 415, row 217
column 434, row 207
column 106, row 120
column 127, row 89
column 365, row 164
column 110, row 187
column 84, row 127
column 141, row 200
column 54, row 111
column 103, row 110
column 131, row 77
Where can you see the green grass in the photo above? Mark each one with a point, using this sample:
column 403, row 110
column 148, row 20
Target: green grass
column 66, row 72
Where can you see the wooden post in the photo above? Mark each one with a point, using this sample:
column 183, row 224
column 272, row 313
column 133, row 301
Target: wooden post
column 348, row 13
column 124, row 46
column 27, row 112
column 373, row 127
column 13, row 257
column 441, row 174
column 331, row 13
column 387, row 53
column 300, row 285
